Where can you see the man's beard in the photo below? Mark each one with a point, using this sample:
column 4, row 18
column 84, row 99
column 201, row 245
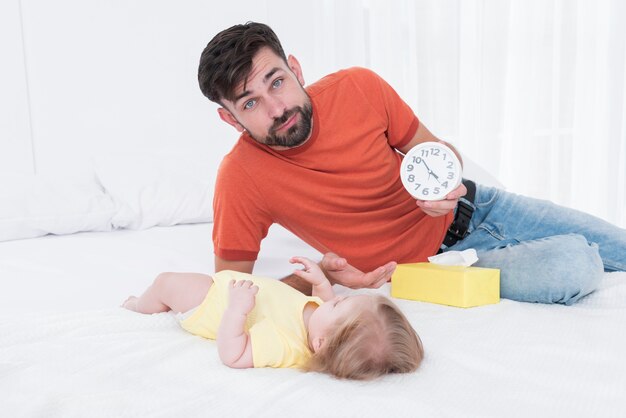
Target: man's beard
column 295, row 135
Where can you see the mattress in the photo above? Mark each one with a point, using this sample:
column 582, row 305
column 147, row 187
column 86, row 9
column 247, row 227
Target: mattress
column 68, row 350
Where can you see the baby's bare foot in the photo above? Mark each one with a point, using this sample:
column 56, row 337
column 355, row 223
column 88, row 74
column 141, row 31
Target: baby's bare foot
column 130, row 303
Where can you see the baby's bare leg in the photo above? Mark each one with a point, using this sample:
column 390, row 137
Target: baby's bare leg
column 178, row 292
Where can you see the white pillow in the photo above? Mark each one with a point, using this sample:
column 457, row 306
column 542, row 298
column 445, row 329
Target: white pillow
column 151, row 189
column 33, row 206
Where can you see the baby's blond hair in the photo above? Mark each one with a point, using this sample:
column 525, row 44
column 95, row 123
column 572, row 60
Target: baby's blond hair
column 375, row 341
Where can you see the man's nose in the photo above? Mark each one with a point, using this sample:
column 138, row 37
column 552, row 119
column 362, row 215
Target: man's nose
column 275, row 107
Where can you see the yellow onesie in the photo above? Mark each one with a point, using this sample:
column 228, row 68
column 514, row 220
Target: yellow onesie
column 275, row 325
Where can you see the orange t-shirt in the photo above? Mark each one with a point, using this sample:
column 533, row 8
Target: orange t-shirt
column 340, row 191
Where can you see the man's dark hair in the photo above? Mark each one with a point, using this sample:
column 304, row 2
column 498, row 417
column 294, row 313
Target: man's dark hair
column 227, row 59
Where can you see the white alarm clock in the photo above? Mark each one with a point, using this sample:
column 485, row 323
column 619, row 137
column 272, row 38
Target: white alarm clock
column 430, row 170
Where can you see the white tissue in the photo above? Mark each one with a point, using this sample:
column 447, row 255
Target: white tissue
column 455, row 258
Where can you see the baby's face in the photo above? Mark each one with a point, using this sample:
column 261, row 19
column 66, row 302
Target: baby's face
column 324, row 318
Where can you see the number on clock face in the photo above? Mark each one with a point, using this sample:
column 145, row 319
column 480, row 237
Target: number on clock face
column 430, row 170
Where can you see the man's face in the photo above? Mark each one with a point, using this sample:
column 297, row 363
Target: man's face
column 272, row 106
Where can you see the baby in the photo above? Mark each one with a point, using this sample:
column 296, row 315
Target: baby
column 261, row 322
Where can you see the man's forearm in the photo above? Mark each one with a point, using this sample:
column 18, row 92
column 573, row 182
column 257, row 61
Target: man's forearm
column 298, row 284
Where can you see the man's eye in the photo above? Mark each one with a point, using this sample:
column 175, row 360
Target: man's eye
column 277, row 83
column 249, row 104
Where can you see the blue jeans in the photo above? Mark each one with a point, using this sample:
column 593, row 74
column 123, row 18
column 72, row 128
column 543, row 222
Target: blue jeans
column 546, row 253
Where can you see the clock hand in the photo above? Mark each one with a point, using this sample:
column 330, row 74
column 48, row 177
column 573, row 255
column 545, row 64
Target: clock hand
column 431, row 172
column 421, row 160
column 435, row 176
column 427, row 167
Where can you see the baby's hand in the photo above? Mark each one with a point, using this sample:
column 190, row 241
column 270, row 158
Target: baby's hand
column 312, row 273
column 242, row 296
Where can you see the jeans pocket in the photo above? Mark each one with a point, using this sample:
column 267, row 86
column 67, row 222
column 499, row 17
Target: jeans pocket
column 496, row 232
column 486, row 196
column 485, row 237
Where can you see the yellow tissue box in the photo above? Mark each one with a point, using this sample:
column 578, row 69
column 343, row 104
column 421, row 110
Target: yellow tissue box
column 447, row 285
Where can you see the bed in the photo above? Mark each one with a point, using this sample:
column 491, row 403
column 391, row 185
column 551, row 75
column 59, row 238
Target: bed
column 68, row 350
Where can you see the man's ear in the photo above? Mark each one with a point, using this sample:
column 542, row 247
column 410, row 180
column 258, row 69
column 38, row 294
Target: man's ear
column 317, row 343
column 294, row 65
column 228, row 117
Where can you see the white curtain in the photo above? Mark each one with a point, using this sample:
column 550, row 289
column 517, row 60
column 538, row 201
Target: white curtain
column 533, row 90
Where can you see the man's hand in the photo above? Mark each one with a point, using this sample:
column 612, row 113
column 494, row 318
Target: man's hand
column 442, row 207
column 339, row 271
column 242, row 296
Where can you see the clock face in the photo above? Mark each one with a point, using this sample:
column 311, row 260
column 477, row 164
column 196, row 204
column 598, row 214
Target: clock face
column 430, row 170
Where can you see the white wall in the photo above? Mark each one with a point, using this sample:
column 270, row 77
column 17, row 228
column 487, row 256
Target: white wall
column 15, row 136
column 121, row 76
column 116, row 76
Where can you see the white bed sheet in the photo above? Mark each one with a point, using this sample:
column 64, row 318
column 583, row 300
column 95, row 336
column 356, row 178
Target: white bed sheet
column 91, row 270
column 67, row 350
